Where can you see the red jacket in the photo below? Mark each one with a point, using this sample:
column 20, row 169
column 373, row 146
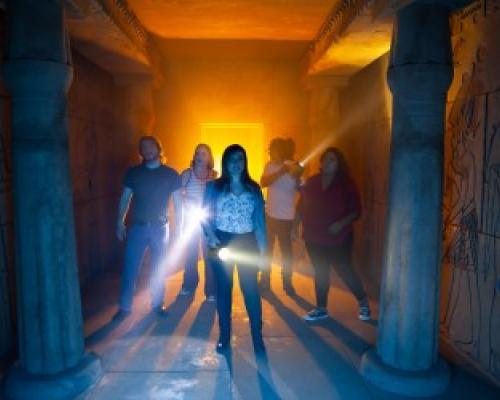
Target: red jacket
column 321, row 208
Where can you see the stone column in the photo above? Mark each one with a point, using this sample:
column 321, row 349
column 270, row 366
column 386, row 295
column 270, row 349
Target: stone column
column 420, row 72
column 52, row 360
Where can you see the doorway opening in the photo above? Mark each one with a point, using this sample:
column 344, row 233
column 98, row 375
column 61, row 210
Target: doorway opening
column 219, row 135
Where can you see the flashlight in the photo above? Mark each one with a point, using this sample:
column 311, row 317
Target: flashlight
column 223, row 253
column 198, row 214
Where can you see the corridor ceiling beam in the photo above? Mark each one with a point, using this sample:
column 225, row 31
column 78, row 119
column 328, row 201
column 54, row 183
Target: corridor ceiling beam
column 123, row 16
column 355, row 33
column 109, row 33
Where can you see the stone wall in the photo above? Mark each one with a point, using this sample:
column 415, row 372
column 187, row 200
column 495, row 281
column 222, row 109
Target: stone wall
column 365, row 109
column 6, row 265
column 229, row 91
column 103, row 129
column 6, row 253
column 470, row 303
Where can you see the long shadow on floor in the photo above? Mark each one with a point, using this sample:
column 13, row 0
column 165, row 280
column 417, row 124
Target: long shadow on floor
column 202, row 324
column 134, row 347
column 242, row 381
column 317, row 346
column 176, row 311
column 347, row 336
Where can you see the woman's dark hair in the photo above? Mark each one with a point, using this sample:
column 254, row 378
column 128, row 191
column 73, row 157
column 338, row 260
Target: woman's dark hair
column 224, row 181
column 343, row 169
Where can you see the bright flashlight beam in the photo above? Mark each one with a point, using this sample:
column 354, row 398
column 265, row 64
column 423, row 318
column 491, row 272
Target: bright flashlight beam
column 239, row 257
column 318, row 149
column 368, row 107
column 193, row 217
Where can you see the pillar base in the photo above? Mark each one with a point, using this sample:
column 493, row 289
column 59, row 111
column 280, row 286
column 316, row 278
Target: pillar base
column 20, row 385
column 427, row 383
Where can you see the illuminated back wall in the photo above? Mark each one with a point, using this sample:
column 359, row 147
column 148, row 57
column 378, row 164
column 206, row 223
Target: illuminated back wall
column 226, row 100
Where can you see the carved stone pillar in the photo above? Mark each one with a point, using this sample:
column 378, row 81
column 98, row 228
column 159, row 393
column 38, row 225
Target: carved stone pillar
column 52, row 360
column 420, row 72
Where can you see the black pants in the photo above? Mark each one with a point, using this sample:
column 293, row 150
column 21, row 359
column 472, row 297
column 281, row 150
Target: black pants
column 246, row 245
column 322, row 257
column 282, row 230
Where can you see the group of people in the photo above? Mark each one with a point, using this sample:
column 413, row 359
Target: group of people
column 228, row 213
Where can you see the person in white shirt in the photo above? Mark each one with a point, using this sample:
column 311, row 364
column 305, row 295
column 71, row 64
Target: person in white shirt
column 281, row 178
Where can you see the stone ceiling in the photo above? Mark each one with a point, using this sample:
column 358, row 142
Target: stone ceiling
column 233, row 19
column 332, row 37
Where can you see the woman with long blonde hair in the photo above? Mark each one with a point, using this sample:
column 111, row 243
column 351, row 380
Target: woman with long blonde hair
column 194, row 180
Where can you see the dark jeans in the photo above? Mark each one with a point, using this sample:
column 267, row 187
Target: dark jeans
column 191, row 276
column 247, row 273
column 322, row 257
column 282, row 230
column 139, row 238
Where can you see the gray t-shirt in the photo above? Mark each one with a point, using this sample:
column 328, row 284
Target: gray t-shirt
column 152, row 188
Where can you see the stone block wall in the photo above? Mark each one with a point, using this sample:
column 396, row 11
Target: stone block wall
column 102, row 136
column 365, row 109
column 470, row 302
column 6, row 265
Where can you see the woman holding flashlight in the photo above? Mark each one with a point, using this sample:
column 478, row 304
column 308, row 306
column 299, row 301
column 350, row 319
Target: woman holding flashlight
column 194, row 181
column 328, row 206
column 236, row 223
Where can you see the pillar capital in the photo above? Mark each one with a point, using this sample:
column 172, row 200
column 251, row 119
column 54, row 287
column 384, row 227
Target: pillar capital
column 420, row 80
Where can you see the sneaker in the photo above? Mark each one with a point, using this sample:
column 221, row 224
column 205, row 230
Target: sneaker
column 185, row 292
column 316, row 314
column 121, row 315
column 211, row 299
column 364, row 313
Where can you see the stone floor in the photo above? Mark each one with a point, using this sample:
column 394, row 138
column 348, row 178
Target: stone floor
column 147, row 357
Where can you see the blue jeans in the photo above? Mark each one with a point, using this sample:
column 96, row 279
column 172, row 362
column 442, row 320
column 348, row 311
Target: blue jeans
column 191, row 277
column 223, row 272
column 139, row 238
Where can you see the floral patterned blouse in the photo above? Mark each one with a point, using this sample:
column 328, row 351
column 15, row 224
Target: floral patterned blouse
column 234, row 212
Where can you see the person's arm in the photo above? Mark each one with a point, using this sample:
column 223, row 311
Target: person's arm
column 123, row 206
column 259, row 219
column 338, row 225
column 354, row 204
column 178, row 211
column 207, row 225
column 268, row 179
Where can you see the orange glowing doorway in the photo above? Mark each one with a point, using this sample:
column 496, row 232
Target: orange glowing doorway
column 248, row 135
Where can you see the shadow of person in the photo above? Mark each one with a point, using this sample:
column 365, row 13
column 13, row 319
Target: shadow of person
column 102, row 333
column 175, row 312
column 267, row 386
column 202, row 324
column 312, row 341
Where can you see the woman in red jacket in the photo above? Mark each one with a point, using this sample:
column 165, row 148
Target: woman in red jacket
column 328, row 206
